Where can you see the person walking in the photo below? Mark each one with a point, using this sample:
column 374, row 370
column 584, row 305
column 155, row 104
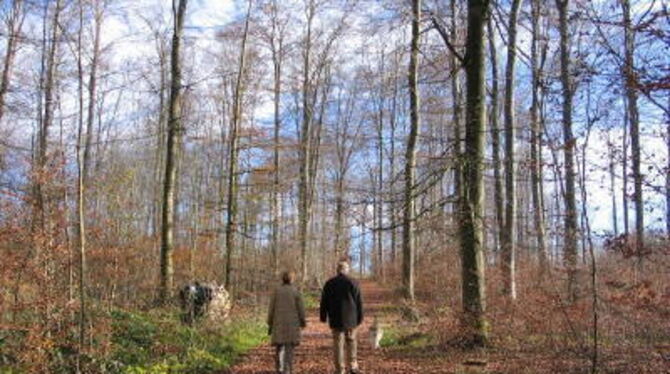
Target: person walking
column 286, row 317
column 342, row 307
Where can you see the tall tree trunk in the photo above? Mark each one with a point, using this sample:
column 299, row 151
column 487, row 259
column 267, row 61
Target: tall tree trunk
column 410, row 158
column 457, row 104
column 667, row 176
column 231, row 221
column 612, row 175
column 174, row 131
column 471, row 210
column 379, row 196
column 47, row 114
column 498, row 196
column 305, row 146
column 339, row 212
column 624, row 172
column 159, row 167
column 634, row 124
column 361, row 246
column 42, row 223
column 509, row 233
column 570, row 244
column 92, row 85
column 392, row 162
column 277, row 59
column 590, row 121
column 536, row 138
column 81, row 227
column 13, row 29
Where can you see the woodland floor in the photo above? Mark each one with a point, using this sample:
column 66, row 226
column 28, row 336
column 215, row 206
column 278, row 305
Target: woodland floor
column 315, row 352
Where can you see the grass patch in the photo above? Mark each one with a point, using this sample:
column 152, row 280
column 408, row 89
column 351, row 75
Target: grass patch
column 136, row 342
column 311, row 299
column 406, row 337
column 156, row 342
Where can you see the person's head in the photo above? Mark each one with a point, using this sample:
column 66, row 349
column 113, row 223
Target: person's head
column 287, row 277
column 343, row 267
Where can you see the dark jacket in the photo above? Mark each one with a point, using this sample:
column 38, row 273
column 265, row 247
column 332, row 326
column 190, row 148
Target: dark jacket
column 341, row 303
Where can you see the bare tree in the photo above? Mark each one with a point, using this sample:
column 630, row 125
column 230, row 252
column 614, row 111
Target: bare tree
column 498, row 197
column 316, row 74
column 570, row 243
column 408, row 240
column 634, row 124
column 509, row 235
column 667, row 177
column 174, row 132
column 233, row 151
column 46, row 121
column 81, row 227
column 305, row 142
column 536, row 135
column 14, row 24
column 277, row 48
column 347, row 131
column 472, row 194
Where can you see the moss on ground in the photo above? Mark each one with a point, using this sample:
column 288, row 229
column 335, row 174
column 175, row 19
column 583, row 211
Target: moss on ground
column 406, row 337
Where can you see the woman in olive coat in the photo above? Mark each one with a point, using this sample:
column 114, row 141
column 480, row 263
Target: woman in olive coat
column 286, row 316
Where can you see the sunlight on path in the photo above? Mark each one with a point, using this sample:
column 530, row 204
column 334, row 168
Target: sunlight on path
column 314, row 354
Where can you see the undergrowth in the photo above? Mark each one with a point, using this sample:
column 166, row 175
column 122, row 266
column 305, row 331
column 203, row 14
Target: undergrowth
column 406, row 337
column 156, row 342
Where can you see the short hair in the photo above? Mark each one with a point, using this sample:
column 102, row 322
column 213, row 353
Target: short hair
column 287, row 277
column 342, row 267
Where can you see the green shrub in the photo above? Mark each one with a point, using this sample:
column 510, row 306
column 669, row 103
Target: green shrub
column 156, row 342
column 405, row 337
column 311, row 299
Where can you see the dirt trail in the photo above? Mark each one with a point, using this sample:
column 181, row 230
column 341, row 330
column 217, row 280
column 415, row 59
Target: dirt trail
column 314, row 355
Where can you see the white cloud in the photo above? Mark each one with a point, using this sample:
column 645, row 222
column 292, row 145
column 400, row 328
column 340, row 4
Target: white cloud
column 211, row 13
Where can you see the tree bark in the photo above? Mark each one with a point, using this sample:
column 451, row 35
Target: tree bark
column 667, row 176
column 624, row 173
column 634, row 125
column 305, row 147
column 392, row 160
column 612, row 175
column 509, row 233
column 471, row 210
column 174, row 130
column 277, row 59
column 536, row 138
column 81, row 227
column 410, row 159
column 570, row 244
column 14, row 29
column 498, row 196
column 47, row 84
column 92, row 86
column 379, row 196
column 457, row 105
column 231, row 221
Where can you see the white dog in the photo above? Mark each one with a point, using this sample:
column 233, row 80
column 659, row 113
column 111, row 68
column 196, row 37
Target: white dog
column 376, row 333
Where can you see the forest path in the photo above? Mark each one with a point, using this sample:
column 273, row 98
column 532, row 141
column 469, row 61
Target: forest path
column 314, row 355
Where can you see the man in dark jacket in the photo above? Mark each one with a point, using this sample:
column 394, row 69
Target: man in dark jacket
column 342, row 306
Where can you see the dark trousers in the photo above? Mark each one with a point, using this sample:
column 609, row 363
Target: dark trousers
column 284, row 358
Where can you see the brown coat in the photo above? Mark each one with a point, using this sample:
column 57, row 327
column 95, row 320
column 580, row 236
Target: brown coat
column 286, row 315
